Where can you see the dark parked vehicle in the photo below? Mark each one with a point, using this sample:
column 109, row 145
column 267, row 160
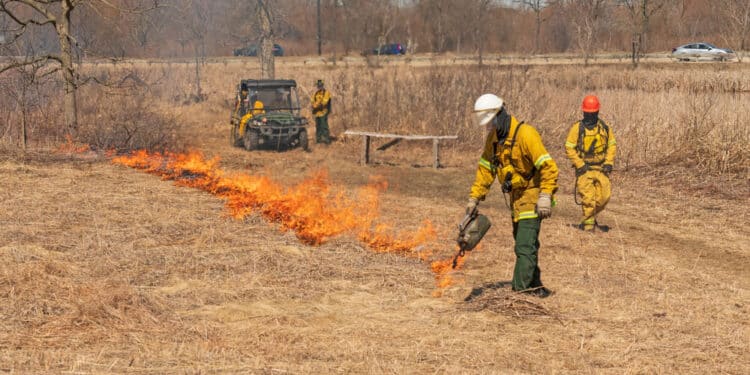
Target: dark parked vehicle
column 252, row 50
column 281, row 125
column 701, row 51
column 389, row 49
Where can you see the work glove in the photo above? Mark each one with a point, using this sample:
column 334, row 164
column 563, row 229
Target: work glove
column 544, row 206
column 471, row 206
column 607, row 169
column 582, row 170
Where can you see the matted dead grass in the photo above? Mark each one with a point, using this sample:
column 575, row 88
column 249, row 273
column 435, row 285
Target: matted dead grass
column 507, row 302
column 110, row 270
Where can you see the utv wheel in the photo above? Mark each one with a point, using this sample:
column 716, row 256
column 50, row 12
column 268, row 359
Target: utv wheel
column 303, row 141
column 252, row 140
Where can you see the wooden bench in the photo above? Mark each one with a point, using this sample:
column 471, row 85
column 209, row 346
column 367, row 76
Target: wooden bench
column 396, row 139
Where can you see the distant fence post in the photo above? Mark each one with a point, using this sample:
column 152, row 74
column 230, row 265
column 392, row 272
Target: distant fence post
column 436, row 153
column 365, row 150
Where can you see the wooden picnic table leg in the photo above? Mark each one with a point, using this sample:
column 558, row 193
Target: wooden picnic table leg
column 436, row 152
column 365, row 150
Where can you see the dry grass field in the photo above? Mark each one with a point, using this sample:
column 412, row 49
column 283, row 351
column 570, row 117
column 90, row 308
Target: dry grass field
column 209, row 265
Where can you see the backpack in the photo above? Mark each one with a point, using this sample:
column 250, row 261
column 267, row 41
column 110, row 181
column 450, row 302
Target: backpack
column 496, row 161
column 582, row 132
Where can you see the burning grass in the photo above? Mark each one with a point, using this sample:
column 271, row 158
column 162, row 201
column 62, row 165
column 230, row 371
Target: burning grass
column 72, row 147
column 315, row 210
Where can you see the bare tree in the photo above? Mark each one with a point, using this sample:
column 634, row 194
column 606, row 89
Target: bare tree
column 480, row 9
column 586, row 17
column 145, row 29
column 735, row 23
column 536, row 6
column 266, row 19
column 641, row 12
column 368, row 23
column 435, row 16
column 196, row 18
column 54, row 16
column 348, row 18
column 386, row 21
column 20, row 90
column 25, row 89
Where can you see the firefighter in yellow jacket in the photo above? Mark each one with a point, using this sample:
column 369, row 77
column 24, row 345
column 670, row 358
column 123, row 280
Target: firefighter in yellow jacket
column 241, row 103
column 258, row 109
column 591, row 147
column 321, row 108
column 514, row 154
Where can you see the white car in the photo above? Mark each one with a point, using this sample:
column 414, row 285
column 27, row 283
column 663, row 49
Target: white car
column 701, row 51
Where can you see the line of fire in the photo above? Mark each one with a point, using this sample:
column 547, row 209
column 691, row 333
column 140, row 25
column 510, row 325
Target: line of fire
column 315, row 209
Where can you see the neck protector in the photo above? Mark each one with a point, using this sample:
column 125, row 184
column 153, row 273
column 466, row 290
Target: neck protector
column 502, row 125
column 590, row 119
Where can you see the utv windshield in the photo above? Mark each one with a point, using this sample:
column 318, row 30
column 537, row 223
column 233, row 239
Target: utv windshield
column 279, row 99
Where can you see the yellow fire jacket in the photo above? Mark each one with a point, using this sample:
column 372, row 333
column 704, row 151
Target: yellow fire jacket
column 578, row 145
column 320, row 101
column 531, row 169
column 257, row 110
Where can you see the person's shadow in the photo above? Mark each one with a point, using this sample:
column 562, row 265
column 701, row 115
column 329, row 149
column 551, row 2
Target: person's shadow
column 476, row 292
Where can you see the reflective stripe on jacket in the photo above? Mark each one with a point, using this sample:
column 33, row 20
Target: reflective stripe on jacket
column 603, row 151
column 528, row 159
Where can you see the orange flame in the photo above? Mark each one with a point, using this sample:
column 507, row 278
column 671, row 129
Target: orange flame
column 314, row 209
column 70, row 147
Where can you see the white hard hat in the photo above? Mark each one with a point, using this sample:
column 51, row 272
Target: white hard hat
column 486, row 107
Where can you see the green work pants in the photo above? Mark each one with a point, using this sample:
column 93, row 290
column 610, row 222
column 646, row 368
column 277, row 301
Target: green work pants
column 526, row 273
column 322, row 134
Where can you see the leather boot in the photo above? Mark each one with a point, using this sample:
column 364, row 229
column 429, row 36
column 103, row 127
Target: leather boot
column 540, row 292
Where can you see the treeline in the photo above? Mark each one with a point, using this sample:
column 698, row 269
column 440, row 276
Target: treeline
column 186, row 28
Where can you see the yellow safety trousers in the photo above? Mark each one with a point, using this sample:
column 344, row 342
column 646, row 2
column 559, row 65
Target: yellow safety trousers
column 593, row 189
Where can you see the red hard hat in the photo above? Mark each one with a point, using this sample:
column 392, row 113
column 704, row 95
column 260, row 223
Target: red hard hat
column 590, row 104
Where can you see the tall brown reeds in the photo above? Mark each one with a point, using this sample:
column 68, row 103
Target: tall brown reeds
column 664, row 115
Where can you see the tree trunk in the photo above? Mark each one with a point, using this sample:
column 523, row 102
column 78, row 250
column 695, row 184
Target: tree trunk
column 267, row 68
column 320, row 34
column 24, row 137
column 640, row 37
column 70, row 102
column 645, row 19
column 198, row 87
column 538, row 30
